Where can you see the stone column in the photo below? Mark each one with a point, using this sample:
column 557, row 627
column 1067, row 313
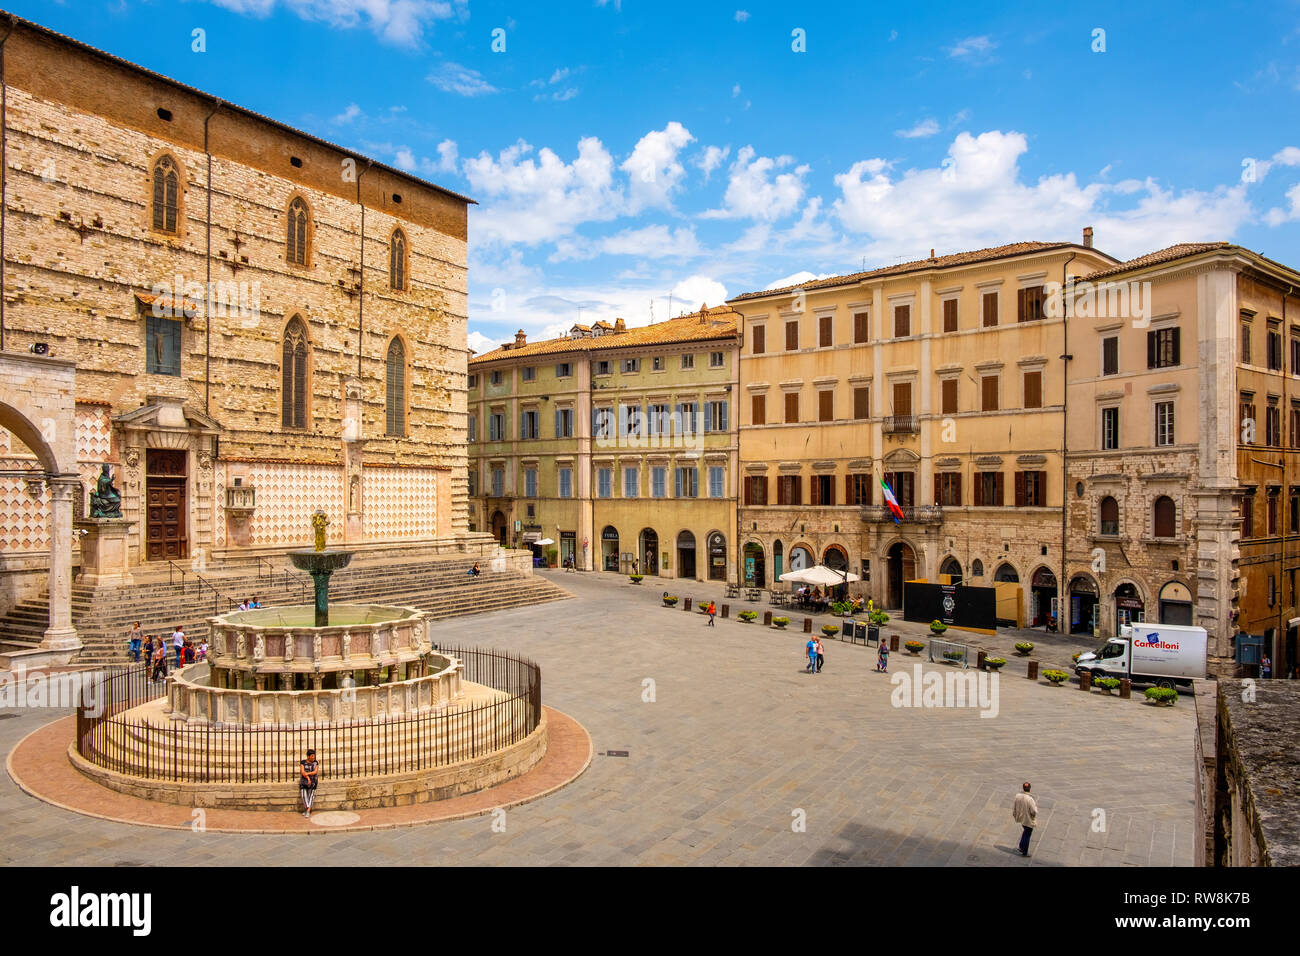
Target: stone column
column 353, row 480
column 61, row 635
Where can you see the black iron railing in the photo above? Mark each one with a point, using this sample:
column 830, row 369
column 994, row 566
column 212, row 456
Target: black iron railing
column 225, row 753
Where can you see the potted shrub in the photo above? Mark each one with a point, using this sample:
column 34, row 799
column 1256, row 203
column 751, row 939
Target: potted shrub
column 670, row 600
column 1056, row 677
column 551, row 556
column 780, row 622
column 937, row 627
column 1023, row 648
column 875, row 621
column 636, row 578
column 748, row 616
column 841, row 608
column 914, row 647
column 1106, row 684
column 1162, row 696
column 953, row 656
column 993, row 663
column 830, row 630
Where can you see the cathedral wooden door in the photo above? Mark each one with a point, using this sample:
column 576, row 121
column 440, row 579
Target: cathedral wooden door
column 166, row 506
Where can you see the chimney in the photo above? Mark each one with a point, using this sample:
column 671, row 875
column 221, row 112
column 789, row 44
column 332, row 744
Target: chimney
column 1087, row 237
column 620, row 325
column 932, row 254
column 520, row 339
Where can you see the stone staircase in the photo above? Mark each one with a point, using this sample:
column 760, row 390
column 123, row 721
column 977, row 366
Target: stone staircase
column 436, row 584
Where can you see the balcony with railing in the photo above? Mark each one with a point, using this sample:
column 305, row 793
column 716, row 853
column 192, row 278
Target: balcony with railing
column 901, row 425
column 912, row 514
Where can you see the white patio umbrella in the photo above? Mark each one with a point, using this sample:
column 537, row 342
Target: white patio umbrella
column 820, row 575
column 545, row 541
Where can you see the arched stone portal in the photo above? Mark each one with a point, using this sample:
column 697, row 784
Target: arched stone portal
column 37, row 406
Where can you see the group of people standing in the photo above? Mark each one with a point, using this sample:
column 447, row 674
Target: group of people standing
column 153, row 650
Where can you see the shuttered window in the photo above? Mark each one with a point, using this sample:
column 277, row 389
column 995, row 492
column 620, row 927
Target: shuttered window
column 758, row 340
column 792, row 336
column 1033, row 390
column 950, row 315
column 758, row 409
column 862, row 403
column 948, row 388
column 990, row 306
column 395, row 390
column 902, row 321
column 826, row 406
column 791, row 407
column 989, row 393
column 293, row 375
column 860, row 327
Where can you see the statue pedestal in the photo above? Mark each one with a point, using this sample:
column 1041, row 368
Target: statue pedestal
column 105, row 552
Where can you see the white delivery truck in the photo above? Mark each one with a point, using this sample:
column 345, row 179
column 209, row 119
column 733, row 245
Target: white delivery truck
column 1163, row 654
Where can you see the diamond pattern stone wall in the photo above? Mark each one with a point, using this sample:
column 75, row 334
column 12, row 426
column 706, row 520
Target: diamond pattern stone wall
column 400, row 503
column 287, row 494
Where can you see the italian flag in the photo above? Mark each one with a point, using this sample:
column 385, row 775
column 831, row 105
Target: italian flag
column 890, row 500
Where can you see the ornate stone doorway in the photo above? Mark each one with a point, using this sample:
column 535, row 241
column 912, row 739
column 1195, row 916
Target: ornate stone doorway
column 166, row 532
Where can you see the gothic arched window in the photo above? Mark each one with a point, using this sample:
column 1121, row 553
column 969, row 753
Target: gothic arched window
column 395, row 392
column 166, row 195
column 296, row 241
column 293, row 375
column 397, row 261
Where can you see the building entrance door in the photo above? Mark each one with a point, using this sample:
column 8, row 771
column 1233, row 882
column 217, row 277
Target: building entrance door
column 165, row 506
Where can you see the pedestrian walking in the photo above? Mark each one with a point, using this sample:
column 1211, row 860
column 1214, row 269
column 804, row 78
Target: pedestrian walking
column 1025, row 812
column 882, row 655
column 811, row 649
column 178, row 643
column 308, row 777
column 817, row 649
column 134, row 638
column 159, row 671
column 1266, row 667
column 713, row 610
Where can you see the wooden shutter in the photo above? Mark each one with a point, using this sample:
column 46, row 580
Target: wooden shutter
column 826, row 406
column 956, row 491
column 792, row 336
column 997, row 489
column 1177, row 361
column 827, row 337
column 902, row 398
column 950, row 315
column 902, row 321
column 1033, row 390
column 791, row 407
column 815, row 490
column 758, row 409
column 989, row 385
column 949, row 390
column 990, row 304
column 1042, row 488
column 749, row 487
column 758, row 344
column 862, row 403
column 1020, row 489
column 1110, row 356
column 860, row 327
column 1151, row 350
column 979, row 490
column 938, row 489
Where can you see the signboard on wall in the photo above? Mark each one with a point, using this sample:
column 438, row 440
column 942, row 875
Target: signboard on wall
column 956, row 605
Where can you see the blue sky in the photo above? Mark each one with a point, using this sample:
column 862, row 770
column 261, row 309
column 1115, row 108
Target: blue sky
column 627, row 151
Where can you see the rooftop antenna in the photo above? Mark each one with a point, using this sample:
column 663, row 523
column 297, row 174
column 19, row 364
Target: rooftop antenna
column 670, row 305
column 652, row 311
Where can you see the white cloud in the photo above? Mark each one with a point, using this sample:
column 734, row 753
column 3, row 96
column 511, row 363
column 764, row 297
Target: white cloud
column 1276, row 216
column 735, row 91
column 447, row 156
column 542, row 199
column 454, row 78
column 348, row 115
column 711, row 159
column 742, row 16
column 559, row 74
column 753, row 192
column 977, row 198
column 400, row 22
column 973, row 48
column 480, row 343
column 649, row 242
column 1286, row 156
column 653, row 170
column 405, row 159
column 797, row 278
column 696, row 291
column 926, row 127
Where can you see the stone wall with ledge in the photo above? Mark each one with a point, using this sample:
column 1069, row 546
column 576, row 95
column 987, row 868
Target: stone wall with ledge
column 192, row 700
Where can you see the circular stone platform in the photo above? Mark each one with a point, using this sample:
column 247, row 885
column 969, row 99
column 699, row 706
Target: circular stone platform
column 39, row 765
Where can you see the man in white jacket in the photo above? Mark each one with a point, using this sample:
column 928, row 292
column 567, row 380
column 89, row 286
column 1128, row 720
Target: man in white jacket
column 1025, row 812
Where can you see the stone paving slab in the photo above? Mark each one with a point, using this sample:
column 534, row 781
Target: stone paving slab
column 731, row 744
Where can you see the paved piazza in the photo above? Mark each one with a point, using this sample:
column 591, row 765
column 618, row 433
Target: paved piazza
column 737, row 741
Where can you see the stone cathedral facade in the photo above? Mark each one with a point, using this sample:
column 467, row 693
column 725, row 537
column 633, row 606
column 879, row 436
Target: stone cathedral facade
column 262, row 323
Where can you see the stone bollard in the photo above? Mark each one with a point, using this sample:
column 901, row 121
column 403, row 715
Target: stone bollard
column 1085, row 680
column 686, row 604
column 807, row 625
column 893, row 642
column 726, row 609
column 1032, row 673
column 979, row 661
column 767, row 618
column 1125, row 689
